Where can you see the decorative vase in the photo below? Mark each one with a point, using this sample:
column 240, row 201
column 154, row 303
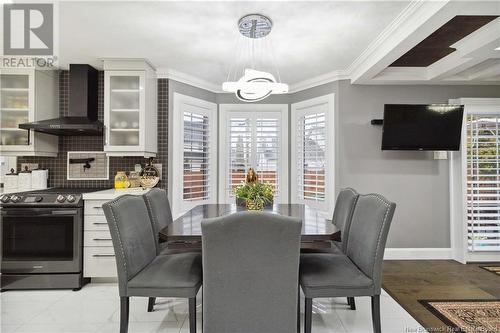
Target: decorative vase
column 254, row 205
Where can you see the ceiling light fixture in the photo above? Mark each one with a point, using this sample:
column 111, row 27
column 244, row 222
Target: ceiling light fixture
column 254, row 85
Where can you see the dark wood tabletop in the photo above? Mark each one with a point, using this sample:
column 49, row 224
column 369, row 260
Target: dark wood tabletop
column 315, row 227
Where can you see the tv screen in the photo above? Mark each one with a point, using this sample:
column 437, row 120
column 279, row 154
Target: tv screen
column 422, row 127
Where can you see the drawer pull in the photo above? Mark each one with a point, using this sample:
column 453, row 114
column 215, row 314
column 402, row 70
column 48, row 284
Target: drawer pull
column 100, row 223
column 102, row 239
column 97, row 207
column 103, row 255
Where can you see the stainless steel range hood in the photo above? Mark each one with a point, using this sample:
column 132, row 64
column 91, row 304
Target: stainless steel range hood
column 82, row 115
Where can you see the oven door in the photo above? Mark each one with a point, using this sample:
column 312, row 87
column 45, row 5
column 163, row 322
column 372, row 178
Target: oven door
column 41, row 240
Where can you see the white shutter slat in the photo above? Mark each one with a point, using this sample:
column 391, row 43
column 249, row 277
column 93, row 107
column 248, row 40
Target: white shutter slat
column 311, row 159
column 196, row 157
column 267, row 150
column 240, row 149
column 483, row 182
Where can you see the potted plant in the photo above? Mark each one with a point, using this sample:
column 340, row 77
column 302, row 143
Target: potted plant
column 254, row 195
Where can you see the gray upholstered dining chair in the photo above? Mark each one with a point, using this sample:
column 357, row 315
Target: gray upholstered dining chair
column 160, row 215
column 359, row 272
column 342, row 217
column 141, row 272
column 159, row 212
column 250, row 272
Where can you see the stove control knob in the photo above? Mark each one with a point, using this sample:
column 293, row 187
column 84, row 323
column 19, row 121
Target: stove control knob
column 5, row 198
column 61, row 198
column 15, row 198
column 38, row 199
column 71, row 198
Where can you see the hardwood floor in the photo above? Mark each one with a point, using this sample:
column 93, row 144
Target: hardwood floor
column 411, row 280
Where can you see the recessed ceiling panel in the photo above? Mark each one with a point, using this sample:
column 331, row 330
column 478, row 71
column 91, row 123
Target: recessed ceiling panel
column 437, row 45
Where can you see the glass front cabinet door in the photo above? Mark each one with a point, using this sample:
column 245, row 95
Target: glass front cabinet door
column 128, row 114
column 27, row 95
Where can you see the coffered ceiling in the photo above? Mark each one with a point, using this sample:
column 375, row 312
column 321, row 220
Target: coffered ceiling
column 314, row 42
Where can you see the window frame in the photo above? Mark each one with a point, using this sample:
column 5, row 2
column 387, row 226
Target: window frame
column 301, row 109
column 225, row 110
column 184, row 103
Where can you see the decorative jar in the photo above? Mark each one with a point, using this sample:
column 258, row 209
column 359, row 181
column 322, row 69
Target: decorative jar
column 121, row 180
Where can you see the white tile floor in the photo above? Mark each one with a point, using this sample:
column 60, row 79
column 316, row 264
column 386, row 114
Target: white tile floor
column 95, row 308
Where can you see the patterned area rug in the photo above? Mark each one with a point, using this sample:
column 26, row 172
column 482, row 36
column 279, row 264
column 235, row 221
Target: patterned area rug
column 467, row 316
column 492, row 269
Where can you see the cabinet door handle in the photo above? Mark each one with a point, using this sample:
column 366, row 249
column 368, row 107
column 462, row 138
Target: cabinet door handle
column 100, row 223
column 97, row 207
column 103, row 255
column 102, row 239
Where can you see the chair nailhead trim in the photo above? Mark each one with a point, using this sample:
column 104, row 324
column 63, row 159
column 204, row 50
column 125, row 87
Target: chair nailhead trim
column 111, row 204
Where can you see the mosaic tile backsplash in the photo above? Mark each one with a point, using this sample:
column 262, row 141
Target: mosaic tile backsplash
column 58, row 166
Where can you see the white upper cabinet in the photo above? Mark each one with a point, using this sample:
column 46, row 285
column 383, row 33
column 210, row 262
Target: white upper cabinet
column 130, row 108
column 27, row 95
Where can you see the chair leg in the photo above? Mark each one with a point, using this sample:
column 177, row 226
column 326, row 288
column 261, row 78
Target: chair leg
column 351, row 302
column 376, row 314
column 192, row 315
column 151, row 303
column 124, row 310
column 308, row 316
column 298, row 310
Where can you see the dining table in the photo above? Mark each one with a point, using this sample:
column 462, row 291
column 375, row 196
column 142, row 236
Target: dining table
column 185, row 232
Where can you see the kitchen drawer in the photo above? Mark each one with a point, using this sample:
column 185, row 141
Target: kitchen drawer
column 99, row 262
column 97, row 238
column 94, row 207
column 95, row 222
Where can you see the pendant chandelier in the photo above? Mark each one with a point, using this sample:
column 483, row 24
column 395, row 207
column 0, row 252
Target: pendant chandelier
column 254, row 51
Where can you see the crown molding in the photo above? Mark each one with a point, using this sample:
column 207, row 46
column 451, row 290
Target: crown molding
column 167, row 73
column 319, row 80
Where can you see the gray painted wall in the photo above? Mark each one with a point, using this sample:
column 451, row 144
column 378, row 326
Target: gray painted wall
column 414, row 180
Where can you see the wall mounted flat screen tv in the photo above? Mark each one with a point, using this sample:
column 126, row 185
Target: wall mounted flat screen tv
column 422, row 127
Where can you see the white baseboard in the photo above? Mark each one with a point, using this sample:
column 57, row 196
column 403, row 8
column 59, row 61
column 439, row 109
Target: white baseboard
column 418, row 254
column 482, row 257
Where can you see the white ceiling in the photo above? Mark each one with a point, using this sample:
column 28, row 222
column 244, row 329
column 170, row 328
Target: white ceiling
column 198, row 38
column 314, row 41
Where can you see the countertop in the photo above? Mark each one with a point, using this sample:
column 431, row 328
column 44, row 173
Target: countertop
column 112, row 193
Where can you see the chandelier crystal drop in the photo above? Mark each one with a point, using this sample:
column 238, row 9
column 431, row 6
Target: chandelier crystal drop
column 254, row 85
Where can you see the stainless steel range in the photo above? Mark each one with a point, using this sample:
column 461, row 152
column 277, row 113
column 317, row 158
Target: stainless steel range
column 42, row 239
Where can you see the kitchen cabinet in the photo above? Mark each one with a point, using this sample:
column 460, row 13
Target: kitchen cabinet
column 130, row 108
column 98, row 252
column 27, row 95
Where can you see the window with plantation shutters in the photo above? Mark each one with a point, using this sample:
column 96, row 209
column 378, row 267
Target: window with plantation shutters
column 194, row 153
column 268, row 150
column 255, row 137
column 254, row 142
column 196, row 148
column 240, row 149
column 311, row 156
column 483, row 182
column 312, row 153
